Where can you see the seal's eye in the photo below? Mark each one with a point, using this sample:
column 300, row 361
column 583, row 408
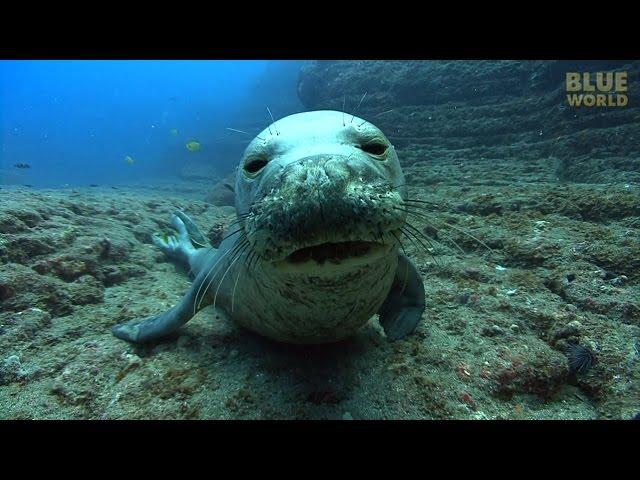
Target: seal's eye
column 376, row 148
column 254, row 164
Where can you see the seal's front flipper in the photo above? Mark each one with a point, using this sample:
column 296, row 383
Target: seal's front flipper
column 153, row 328
column 403, row 307
column 196, row 236
column 179, row 247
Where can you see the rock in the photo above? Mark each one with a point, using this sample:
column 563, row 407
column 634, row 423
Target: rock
column 109, row 249
column 11, row 224
column 43, row 292
column 492, row 331
column 540, row 371
column 27, row 324
column 86, row 289
column 25, row 246
column 13, row 370
column 463, row 298
column 114, row 274
column 70, row 267
column 10, row 369
column 217, row 232
column 198, row 171
column 220, row 194
column 474, row 274
column 619, row 281
column 571, row 329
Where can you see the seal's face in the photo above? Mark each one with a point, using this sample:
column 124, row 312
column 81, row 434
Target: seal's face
column 320, row 189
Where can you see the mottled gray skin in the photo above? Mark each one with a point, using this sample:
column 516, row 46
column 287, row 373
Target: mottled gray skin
column 308, row 179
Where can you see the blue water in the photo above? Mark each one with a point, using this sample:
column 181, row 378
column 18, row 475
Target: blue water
column 75, row 122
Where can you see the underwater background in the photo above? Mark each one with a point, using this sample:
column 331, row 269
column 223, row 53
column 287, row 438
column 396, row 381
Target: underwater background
column 532, row 279
column 76, row 122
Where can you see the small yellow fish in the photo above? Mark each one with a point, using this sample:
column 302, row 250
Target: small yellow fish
column 129, row 160
column 174, row 132
column 193, row 146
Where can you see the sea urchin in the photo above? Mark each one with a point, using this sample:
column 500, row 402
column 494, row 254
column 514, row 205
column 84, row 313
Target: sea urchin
column 581, row 358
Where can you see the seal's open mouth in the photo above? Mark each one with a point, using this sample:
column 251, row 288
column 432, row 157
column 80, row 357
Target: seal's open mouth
column 333, row 252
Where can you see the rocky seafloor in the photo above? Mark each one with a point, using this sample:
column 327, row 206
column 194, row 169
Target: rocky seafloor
column 562, row 269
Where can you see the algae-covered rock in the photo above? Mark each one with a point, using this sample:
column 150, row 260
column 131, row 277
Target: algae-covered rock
column 22, row 288
column 541, row 372
column 10, row 369
column 13, row 370
column 86, row 290
column 27, row 324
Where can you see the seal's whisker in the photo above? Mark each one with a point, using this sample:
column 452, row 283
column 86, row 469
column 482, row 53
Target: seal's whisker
column 422, row 235
column 195, row 300
column 269, row 127
column 415, row 237
column 233, row 252
column 237, row 221
column 422, row 214
column 235, row 259
column 195, row 242
column 246, row 133
column 399, row 242
column 209, row 248
column 256, row 259
column 414, row 200
column 411, row 236
column 240, row 240
column 404, row 282
column 273, row 121
column 233, row 233
column 233, row 292
column 247, row 259
column 204, row 293
column 241, row 216
column 344, row 101
column 427, row 220
column 462, row 231
column 356, row 110
column 382, row 113
column 237, row 130
column 468, row 235
column 411, row 240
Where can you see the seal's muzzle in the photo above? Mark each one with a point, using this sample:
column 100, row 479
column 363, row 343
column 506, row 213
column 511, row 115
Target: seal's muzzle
column 339, row 202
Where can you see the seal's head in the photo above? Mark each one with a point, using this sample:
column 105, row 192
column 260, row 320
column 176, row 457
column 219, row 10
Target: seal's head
column 320, row 188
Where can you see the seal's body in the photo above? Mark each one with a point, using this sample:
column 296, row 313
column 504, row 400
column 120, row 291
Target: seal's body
column 314, row 252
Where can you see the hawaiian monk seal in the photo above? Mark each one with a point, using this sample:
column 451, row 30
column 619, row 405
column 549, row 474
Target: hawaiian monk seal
column 314, row 252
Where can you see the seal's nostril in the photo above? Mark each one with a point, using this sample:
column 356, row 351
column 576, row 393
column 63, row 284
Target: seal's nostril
column 375, row 148
column 254, row 165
